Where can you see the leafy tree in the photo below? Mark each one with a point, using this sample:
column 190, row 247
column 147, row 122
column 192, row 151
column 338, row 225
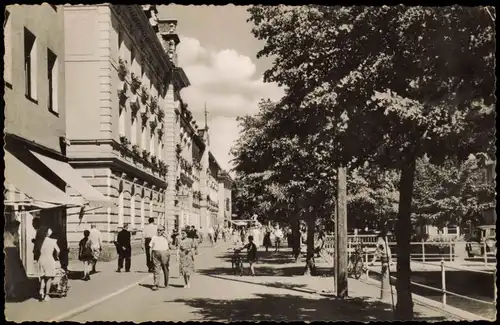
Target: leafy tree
column 454, row 193
column 386, row 85
column 372, row 197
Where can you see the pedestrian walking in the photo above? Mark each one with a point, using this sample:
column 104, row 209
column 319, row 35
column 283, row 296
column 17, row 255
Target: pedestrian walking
column 160, row 256
column 44, row 255
column 235, row 236
column 124, row 249
column 95, row 238
column 216, row 234
column 194, row 236
column 186, row 258
column 85, row 254
column 242, row 235
column 267, row 239
column 251, row 253
column 211, row 234
column 224, row 234
column 278, row 236
column 150, row 230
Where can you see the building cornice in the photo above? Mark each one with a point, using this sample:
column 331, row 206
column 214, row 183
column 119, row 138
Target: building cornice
column 180, row 79
column 137, row 24
column 114, row 162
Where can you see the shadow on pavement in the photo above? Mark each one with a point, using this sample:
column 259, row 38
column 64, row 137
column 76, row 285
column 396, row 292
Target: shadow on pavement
column 278, row 285
column 262, row 270
column 291, row 308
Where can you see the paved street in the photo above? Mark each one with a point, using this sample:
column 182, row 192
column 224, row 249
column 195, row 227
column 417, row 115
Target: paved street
column 275, row 293
column 106, row 282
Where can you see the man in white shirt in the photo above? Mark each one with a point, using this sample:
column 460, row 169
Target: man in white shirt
column 160, row 256
column 278, row 236
column 150, row 230
column 95, row 238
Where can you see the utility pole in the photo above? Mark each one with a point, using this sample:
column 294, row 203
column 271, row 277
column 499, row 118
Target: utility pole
column 341, row 235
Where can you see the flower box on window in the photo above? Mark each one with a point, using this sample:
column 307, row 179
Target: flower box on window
column 153, row 160
column 124, row 141
column 144, row 94
column 160, row 132
column 145, row 119
column 152, row 125
column 136, row 150
column 134, row 104
column 145, row 154
column 135, row 83
column 153, row 105
column 122, row 69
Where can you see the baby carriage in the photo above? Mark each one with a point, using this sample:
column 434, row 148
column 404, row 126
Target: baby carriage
column 60, row 284
column 237, row 262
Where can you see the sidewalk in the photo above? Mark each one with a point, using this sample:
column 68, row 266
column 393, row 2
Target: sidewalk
column 278, row 271
column 105, row 283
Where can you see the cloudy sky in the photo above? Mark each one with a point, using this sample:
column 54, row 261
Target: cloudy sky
column 218, row 54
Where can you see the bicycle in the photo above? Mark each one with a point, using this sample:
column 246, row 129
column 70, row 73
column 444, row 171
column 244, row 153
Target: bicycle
column 356, row 266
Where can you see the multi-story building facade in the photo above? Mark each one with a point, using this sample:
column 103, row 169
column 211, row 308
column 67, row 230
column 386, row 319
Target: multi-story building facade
column 122, row 88
column 36, row 169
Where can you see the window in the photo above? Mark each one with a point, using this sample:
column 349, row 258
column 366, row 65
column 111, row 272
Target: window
column 151, row 208
column 120, row 209
column 121, row 121
column 144, row 138
column 133, row 60
column 52, row 81
column 30, row 64
column 7, row 30
column 160, row 150
column 142, row 212
column 133, row 129
column 132, row 212
column 152, row 144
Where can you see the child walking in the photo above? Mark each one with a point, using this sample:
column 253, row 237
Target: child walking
column 85, row 254
column 251, row 253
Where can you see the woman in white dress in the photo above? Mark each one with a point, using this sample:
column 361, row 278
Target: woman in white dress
column 44, row 255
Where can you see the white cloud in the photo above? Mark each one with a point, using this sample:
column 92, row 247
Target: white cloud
column 223, row 132
column 225, row 80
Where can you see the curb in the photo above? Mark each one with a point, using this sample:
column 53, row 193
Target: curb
column 92, row 304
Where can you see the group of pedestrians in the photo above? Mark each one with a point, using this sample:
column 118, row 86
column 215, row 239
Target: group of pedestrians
column 157, row 245
column 271, row 234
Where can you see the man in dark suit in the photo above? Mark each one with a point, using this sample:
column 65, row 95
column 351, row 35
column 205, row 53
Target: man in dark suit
column 124, row 248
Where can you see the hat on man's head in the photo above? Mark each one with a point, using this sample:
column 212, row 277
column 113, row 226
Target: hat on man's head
column 161, row 228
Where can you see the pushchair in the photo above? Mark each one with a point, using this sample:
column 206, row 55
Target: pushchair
column 237, row 262
column 60, row 285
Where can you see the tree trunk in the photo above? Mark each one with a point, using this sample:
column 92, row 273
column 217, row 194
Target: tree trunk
column 310, row 263
column 295, row 238
column 404, row 306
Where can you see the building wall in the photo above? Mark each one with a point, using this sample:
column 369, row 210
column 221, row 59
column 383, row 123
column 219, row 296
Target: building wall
column 31, row 118
column 99, row 37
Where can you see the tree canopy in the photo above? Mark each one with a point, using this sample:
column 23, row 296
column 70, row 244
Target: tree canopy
column 384, row 85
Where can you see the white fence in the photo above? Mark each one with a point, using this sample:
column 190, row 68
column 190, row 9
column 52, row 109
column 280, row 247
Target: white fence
column 423, row 251
column 424, row 257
